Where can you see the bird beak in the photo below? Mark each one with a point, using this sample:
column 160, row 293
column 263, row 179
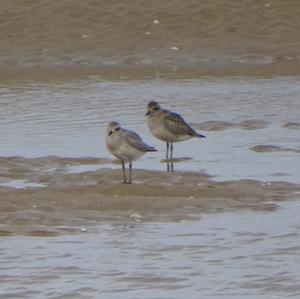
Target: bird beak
column 109, row 133
column 147, row 113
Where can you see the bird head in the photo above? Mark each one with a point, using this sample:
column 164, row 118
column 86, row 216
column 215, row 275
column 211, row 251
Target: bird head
column 153, row 107
column 113, row 127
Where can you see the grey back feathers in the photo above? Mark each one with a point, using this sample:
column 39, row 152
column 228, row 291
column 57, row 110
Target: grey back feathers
column 134, row 140
column 177, row 125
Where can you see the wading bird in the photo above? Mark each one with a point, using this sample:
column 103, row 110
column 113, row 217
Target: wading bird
column 168, row 126
column 126, row 146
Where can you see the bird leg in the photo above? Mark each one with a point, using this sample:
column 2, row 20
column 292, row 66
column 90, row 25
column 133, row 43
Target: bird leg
column 171, row 151
column 130, row 172
column 171, row 158
column 124, row 174
column 167, row 151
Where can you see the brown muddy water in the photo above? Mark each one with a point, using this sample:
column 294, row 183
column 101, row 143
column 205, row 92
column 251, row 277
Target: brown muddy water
column 224, row 224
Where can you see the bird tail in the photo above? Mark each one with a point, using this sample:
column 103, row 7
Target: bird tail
column 200, row 135
column 152, row 149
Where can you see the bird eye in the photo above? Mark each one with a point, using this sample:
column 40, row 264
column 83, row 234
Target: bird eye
column 155, row 108
column 117, row 129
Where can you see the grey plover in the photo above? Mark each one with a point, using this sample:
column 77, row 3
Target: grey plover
column 168, row 126
column 126, row 146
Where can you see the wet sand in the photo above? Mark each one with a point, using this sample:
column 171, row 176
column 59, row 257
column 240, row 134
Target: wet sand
column 51, row 196
column 219, row 37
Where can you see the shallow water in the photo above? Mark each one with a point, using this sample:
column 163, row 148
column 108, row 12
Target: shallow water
column 219, row 226
column 213, row 255
column 252, row 125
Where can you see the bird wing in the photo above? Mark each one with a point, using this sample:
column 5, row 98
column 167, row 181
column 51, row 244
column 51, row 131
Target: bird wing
column 134, row 140
column 177, row 125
